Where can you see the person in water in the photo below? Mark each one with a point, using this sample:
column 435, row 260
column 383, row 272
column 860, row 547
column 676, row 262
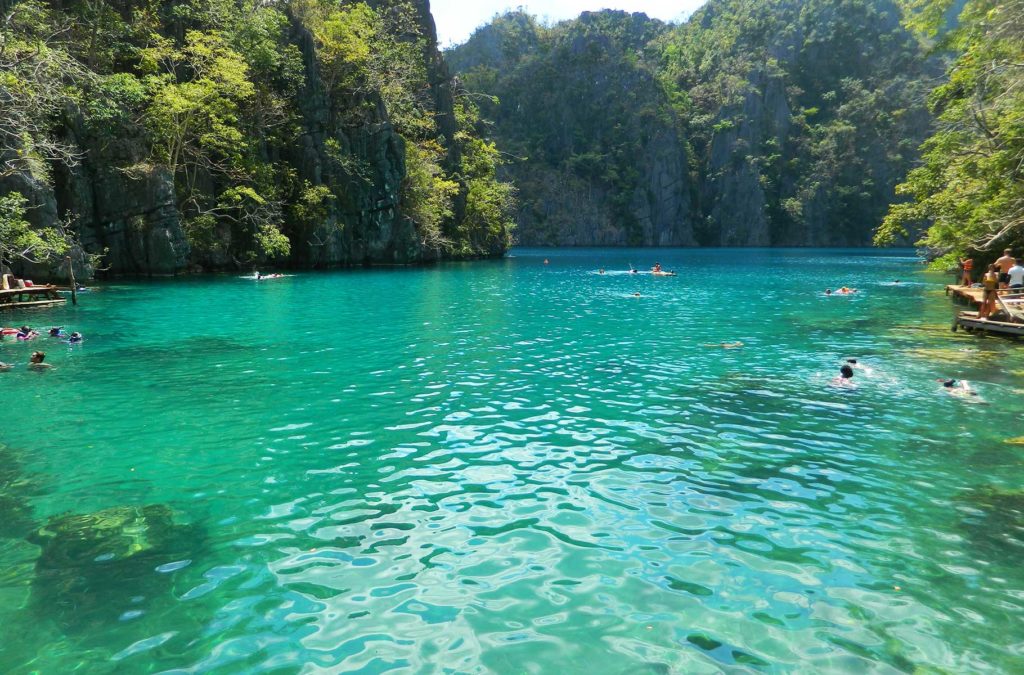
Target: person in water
column 725, row 345
column 845, row 378
column 75, row 338
column 26, row 333
column 57, row 332
column 600, row 271
column 856, row 365
column 958, row 388
column 657, row 268
column 828, row 291
column 5, row 366
column 35, row 362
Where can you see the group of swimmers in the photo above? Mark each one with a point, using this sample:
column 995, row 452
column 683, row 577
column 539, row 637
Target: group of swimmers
column 656, row 270
column 953, row 387
column 37, row 361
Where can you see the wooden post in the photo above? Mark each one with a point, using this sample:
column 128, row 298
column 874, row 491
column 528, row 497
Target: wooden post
column 71, row 279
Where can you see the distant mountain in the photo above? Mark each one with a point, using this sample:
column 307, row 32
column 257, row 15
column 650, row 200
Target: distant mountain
column 755, row 123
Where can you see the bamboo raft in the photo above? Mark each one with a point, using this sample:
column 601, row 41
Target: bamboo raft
column 33, row 296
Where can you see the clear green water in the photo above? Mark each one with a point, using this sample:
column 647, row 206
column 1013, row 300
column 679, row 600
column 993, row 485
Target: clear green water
column 516, row 467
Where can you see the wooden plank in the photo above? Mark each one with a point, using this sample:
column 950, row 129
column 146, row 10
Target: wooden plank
column 34, row 290
column 32, row 303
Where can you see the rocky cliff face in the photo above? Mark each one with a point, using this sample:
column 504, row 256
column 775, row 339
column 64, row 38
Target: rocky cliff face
column 774, row 123
column 599, row 157
column 368, row 209
column 127, row 205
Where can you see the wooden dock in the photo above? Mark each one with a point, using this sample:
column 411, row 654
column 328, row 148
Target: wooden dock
column 966, row 294
column 34, row 296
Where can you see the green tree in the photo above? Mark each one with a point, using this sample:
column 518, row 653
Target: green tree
column 969, row 187
column 20, row 242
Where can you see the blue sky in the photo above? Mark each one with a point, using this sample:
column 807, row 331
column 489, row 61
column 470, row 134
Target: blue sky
column 456, row 19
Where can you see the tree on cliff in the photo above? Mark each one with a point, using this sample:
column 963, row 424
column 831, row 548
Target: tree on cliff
column 20, row 242
column 224, row 133
column 970, row 185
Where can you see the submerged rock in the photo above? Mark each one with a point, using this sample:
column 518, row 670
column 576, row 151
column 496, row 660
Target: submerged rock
column 15, row 489
column 94, row 567
column 994, row 519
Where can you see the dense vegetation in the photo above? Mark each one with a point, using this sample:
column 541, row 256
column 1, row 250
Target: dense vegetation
column 970, row 186
column 312, row 132
column 795, row 119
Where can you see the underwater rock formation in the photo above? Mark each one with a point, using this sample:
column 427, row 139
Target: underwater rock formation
column 94, row 567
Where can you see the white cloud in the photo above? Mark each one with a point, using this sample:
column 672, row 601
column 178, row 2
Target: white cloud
column 457, row 19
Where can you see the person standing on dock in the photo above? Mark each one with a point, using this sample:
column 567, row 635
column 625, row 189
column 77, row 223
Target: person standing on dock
column 1016, row 275
column 1004, row 264
column 988, row 301
column 966, row 266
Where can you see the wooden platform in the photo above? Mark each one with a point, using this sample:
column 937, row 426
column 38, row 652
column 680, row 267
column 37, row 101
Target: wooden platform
column 974, row 296
column 966, row 294
column 25, row 298
column 970, row 322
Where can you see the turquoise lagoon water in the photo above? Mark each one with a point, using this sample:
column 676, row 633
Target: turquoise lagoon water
column 515, row 467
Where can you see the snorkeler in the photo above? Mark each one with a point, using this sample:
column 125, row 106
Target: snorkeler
column 26, row 333
column 57, row 332
column 75, row 338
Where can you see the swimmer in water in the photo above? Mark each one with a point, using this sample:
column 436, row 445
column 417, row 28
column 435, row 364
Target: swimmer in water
column 960, row 389
column 5, row 366
column 845, row 378
column 75, row 338
column 828, row 291
column 637, row 294
column 545, row 261
column 57, row 332
column 725, row 345
column 853, row 363
column 35, row 362
column 26, row 333
column 600, row 271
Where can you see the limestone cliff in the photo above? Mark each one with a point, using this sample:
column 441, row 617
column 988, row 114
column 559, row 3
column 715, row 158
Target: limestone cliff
column 769, row 123
column 311, row 130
